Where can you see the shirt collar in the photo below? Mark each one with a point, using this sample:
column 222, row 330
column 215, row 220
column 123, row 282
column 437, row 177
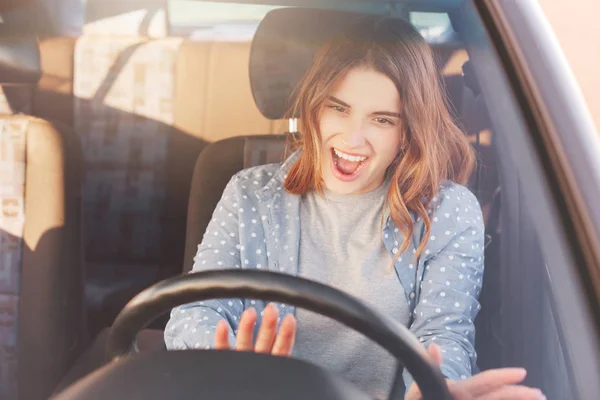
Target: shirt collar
column 275, row 184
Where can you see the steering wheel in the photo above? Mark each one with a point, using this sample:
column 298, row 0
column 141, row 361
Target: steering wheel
column 229, row 375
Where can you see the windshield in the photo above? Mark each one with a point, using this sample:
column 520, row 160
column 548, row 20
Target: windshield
column 182, row 114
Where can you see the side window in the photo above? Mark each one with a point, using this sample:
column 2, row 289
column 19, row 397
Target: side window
column 518, row 324
column 433, row 26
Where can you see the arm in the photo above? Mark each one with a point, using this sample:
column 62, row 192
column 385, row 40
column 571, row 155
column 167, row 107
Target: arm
column 450, row 284
column 193, row 325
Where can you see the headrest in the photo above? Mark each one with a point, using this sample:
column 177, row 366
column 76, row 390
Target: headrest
column 147, row 18
column 470, row 78
column 19, row 60
column 283, row 49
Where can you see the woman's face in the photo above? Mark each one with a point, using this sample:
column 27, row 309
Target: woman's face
column 361, row 131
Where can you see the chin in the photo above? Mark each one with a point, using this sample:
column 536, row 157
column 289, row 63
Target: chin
column 337, row 187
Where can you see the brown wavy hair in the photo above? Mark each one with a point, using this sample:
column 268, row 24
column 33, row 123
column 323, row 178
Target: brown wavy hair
column 434, row 148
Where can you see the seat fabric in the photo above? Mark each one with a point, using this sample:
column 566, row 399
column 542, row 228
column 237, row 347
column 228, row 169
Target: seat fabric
column 41, row 277
column 223, row 159
column 42, row 323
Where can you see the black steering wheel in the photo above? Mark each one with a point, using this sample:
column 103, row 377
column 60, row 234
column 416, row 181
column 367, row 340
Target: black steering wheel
column 229, row 375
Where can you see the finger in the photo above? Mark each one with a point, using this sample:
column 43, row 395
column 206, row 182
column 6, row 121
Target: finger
column 413, row 392
column 514, row 393
column 243, row 341
column 458, row 392
column 268, row 330
column 284, row 343
column 222, row 336
column 488, row 381
column 436, row 353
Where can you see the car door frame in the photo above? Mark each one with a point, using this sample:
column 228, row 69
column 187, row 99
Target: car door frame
column 557, row 158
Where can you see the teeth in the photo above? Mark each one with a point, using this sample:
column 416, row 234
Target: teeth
column 349, row 157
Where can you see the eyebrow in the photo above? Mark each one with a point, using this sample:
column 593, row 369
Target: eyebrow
column 386, row 113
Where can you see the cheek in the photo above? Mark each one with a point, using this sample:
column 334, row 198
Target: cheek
column 387, row 145
column 328, row 126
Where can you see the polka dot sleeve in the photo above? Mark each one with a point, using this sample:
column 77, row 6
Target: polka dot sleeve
column 193, row 325
column 450, row 281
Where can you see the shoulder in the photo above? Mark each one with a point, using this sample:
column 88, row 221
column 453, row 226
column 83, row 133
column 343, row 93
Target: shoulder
column 258, row 176
column 248, row 185
column 455, row 208
column 451, row 196
column 457, row 228
column 267, row 178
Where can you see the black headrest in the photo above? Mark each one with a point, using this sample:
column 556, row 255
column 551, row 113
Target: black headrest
column 19, row 60
column 283, row 49
column 470, row 78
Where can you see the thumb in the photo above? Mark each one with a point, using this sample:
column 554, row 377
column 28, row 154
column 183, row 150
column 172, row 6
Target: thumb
column 436, row 353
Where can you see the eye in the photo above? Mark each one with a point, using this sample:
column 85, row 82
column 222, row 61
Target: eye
column 383, row 121
column 337, row 108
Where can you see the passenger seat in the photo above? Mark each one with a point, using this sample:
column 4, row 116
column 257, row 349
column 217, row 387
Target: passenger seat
column 42, row 323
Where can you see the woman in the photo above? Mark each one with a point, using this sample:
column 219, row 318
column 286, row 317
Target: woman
column 370, row 203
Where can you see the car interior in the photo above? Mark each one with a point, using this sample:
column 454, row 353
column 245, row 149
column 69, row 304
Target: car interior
column 123, row 134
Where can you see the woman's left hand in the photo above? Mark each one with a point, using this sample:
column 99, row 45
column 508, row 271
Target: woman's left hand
column 494, row 384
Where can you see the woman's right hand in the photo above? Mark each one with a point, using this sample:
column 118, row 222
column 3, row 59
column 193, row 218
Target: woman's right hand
column 268, row 341
column 494, row 384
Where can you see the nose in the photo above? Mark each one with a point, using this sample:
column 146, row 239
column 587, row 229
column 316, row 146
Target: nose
column 354, row 135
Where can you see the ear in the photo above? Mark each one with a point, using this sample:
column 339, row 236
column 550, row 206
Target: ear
column 402, row 149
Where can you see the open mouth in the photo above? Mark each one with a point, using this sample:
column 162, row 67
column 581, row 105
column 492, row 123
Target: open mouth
column 347, row 165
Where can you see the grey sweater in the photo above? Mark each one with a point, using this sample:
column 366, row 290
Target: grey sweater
column 341, row 245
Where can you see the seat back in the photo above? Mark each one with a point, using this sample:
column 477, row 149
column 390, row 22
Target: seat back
column 53, row 96
column 214, row 168
column 42, row 326
column 124, row 80
column 213, row 102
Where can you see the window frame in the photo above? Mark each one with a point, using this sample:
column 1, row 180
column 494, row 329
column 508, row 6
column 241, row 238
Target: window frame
column 557, row 125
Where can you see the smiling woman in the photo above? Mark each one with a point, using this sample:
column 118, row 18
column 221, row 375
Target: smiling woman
column 362, row 140
column 375, row 181
column 355, row 82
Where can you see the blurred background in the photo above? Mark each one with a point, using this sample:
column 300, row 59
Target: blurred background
column 576, row 25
